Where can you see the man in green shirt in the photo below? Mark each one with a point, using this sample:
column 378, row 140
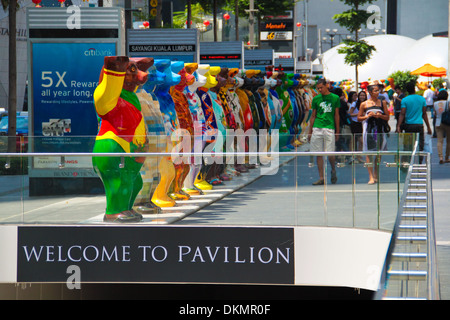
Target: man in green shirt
column 323, row 127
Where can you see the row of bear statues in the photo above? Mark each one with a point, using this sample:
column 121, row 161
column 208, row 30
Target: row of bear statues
column 142, row 102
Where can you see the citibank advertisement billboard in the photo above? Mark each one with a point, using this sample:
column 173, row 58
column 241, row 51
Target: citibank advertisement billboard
column 64, row 77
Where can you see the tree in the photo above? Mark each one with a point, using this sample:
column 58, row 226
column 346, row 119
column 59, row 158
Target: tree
column 12, row 6
column 357, row 52
column 180, row 18
column 206, row 5
column 402, row 78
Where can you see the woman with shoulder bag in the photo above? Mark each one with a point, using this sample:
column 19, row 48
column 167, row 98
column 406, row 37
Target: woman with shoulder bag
column 441, row 106
column 375, row 116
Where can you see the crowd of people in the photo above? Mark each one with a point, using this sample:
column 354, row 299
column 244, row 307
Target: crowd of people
column 359, row 121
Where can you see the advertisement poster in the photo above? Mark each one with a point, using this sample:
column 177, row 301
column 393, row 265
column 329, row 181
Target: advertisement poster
column 65, row 76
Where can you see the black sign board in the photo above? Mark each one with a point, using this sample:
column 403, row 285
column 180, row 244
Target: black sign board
column 277, row 25
column 220, row 57
column 156, row 254
column 161, row 48
column 258, row 62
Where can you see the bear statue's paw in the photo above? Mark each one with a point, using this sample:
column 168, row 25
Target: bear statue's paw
column 193, row 191
column 123, row 217
column 180, row 195
column 148, row 208
column 163, row 203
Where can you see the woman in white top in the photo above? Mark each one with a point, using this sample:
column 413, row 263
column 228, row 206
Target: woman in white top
column 370, row 111
column 439, row 107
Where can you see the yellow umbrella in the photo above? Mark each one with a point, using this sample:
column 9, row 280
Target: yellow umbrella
column 429, row 70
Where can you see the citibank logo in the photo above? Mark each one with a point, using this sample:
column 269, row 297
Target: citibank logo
column 92, row 52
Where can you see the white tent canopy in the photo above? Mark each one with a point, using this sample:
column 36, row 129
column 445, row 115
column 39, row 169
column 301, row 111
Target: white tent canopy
column 432, row 50
column 393, row 53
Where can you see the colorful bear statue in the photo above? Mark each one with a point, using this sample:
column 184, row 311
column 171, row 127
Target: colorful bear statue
column 122, row 130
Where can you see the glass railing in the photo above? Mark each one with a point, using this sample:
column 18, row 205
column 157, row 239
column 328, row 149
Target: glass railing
column 411, row 266
column 55, row 182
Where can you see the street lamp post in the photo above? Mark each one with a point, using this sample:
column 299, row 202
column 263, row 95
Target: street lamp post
column 331, row 34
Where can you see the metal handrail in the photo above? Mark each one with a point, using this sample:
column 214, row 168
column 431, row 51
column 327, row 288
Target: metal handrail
column 149, row 154
column 384, row 272
column 433, row 287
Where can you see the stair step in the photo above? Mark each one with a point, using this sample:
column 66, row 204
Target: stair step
column 411, row 257
column 417, row 191
column 407, row 275
column 412, row 228
column 414, row 216
column 415, row 175
column 415, row 207
column 417, row 185
column 412, row 240
column 416, row 198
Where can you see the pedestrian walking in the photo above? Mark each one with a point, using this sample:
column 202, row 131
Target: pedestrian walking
column 374, row 114
column 324, row 127
column 442, row 129
column 430, row 97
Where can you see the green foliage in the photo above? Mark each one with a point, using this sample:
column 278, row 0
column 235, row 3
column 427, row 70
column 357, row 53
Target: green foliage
column 356, row 52
column 438, row 83
column 265, row 7
column 402, row 78
column 355, row 17
column 352, row 19
column 197, row 15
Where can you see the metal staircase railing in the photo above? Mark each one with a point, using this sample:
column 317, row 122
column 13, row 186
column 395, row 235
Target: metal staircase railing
column 411, row 266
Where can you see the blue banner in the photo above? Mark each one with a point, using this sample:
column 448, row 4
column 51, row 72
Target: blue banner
column 65, row 76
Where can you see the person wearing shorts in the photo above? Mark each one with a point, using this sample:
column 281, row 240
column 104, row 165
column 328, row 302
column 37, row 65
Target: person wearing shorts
column 323, row 128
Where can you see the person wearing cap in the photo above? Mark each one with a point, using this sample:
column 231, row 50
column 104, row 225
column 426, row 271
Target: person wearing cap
column 324, row 126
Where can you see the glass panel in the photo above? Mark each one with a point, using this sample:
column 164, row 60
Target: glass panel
column 339, row 193
column 57, row 183
column 309, row 198
column 388, row 184
column 264, row 190
column 13, row 189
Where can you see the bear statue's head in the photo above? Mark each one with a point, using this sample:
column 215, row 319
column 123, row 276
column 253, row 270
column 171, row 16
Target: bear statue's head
column 209, row 72
column 171, row 78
